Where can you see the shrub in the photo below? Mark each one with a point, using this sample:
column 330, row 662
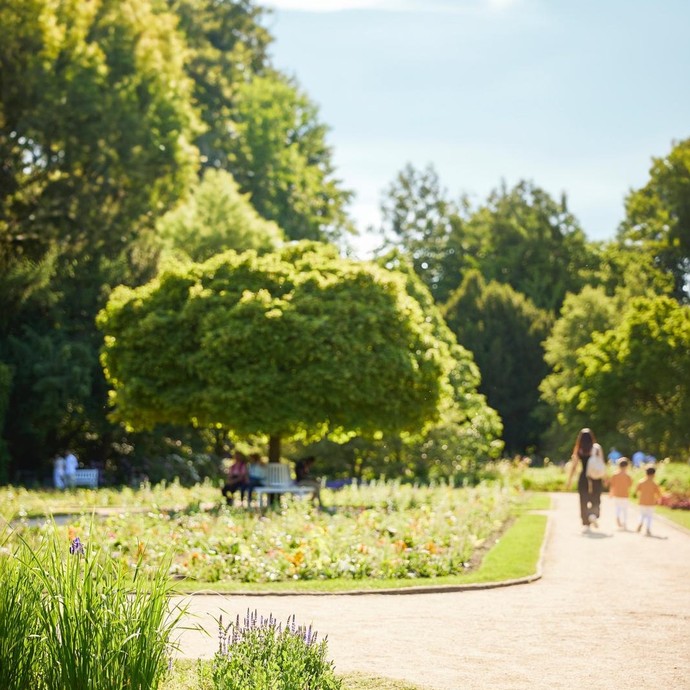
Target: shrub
column 263, row 655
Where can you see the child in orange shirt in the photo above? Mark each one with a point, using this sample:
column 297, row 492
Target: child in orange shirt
column 619, row 489
column 649, row 494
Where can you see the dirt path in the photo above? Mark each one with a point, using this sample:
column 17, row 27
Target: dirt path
column 612, row 611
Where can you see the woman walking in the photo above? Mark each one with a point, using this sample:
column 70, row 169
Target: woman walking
column 588, row 488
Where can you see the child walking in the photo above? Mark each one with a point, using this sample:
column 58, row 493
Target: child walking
column 649, row 494
column 619, row 489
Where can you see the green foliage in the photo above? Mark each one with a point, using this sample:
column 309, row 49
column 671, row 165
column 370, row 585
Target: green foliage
column 95, row 123
column 5, row 387
column 422, row 223
column 299, row 342
column 261, row 654
column 280, row 157
column 504, row 331
column 524, row 238
column 83, row 620
column 658, row 217
column 95, row 129
column 226, row 45
column 20, row 602
column 215, row 218
column 384, row 531
column 589, row 312
column 645, row 362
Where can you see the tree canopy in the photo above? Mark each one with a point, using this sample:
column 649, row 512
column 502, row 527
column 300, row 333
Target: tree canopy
column 636, row 377
column 657, row 218
column 504, row 331
column 294, row 343
column 216, row 217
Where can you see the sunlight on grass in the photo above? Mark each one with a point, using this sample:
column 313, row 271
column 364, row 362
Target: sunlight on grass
column 680, row 517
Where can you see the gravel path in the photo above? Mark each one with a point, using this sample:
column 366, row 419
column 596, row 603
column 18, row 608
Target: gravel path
column 612, row 611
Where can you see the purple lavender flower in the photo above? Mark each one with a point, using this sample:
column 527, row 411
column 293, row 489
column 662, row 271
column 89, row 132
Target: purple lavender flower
column 76, row 548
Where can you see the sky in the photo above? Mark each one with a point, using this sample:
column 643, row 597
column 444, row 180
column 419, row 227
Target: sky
column 575, row 95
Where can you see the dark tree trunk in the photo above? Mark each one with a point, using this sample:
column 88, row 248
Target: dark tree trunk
column 274, row 449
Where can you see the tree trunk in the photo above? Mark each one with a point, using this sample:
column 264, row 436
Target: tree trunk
column 274, row 448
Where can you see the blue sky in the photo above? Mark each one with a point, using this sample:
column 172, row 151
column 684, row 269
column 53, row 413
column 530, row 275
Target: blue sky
column 575, row 95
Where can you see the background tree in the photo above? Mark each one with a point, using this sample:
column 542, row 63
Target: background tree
column 421, row 222
column 298, row 343
column 583, row 315
column 658, row 217
column 504, row 331
column 95, row 131
column 279, row 156
column 215, row 218
column 227, row 45
column 637, row 376
column 534, row 244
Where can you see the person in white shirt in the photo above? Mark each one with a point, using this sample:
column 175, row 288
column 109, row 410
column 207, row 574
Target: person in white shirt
column 71, row 465
column 59, row 472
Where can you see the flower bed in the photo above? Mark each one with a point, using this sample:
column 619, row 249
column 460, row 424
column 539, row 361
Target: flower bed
column 387, row 530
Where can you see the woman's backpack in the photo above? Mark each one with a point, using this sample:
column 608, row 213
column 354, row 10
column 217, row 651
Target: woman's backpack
column 596, row 465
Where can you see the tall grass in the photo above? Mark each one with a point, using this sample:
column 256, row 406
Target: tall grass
column 83, row 620
column 20, row 602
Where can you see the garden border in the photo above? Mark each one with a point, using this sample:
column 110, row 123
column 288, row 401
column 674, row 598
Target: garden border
column 413, row 589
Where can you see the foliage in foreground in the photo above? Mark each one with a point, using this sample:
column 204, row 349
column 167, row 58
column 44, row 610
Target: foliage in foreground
column 261, row 654
column 72, row 617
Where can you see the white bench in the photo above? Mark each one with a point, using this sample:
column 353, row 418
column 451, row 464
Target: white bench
column 86, row 477
column 278, row 481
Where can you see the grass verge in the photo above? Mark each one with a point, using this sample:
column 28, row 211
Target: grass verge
column 680, row 517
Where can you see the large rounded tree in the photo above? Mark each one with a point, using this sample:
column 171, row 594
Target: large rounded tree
column 297, row 343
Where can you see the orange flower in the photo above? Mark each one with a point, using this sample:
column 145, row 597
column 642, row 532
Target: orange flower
column 295, row 558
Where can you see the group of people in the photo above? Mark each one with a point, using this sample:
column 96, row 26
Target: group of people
column 245, row 474
column 65, row 470
column 588, row 455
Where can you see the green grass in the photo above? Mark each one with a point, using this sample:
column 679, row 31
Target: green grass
column 681, row 517
column 186, row 676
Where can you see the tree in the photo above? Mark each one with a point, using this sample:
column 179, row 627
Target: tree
column 658, row 217
column 297, row 343
column 95, row 129
column 421, row 222
column 524, row 238
column 279, row 156
column 582, row 316
column 636, row 377
column 468, row 431
column 95, row 124
column 504, row 331
column 215, row 218
column 227, row 46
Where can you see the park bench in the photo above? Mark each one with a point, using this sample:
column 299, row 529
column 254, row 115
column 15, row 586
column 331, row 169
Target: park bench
column 278, row 481
column 86, row 477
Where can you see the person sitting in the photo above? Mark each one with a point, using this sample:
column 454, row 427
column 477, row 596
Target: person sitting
column 237, row 478
column 303, row 477
column 256, row 475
